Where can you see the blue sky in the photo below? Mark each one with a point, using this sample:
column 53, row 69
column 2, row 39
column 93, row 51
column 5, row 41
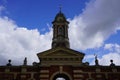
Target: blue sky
column 36, row 14
column 26, row 28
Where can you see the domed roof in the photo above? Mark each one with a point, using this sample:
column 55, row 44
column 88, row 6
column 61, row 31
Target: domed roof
column 60, row 18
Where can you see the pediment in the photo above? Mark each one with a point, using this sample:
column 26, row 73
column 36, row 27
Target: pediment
column 60, row 56
column 60, row 52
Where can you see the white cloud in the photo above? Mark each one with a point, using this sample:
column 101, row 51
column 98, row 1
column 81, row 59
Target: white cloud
column 108, row 46
column 112, row 47
column 105, row 60
column 89, row 56
column 16, row 42
column 112, row 54
column 99, row 20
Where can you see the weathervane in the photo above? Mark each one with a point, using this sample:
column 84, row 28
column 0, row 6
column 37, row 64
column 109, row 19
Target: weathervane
column 60, row 6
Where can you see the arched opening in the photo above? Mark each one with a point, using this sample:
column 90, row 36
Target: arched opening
column 61, row 77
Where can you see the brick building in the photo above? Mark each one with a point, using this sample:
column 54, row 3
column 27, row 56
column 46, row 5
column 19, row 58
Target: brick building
column 60, row 62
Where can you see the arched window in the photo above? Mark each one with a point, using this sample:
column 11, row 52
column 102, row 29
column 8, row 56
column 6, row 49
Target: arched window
column 60, row 31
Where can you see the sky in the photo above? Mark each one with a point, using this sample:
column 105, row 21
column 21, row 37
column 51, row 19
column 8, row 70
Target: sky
column 26, row 29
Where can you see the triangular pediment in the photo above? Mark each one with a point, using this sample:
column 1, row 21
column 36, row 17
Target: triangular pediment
column 60, row 56
column 60, row 52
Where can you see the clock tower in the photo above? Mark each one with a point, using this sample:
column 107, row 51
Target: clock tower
column 60, row 31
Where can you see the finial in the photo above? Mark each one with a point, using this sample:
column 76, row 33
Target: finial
column 60, row 6
column 112, row 64
column 9, row 63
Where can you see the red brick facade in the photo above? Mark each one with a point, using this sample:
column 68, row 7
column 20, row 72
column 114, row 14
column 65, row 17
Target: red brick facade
column 48, row 73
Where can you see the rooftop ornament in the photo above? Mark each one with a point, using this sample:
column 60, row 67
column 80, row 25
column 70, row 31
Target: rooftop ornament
column 25, row 61
column 9, row 63
column 112, row 64
column 96, row 61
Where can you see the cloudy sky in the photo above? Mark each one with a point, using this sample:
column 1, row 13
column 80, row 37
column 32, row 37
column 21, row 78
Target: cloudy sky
column 26, row 29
